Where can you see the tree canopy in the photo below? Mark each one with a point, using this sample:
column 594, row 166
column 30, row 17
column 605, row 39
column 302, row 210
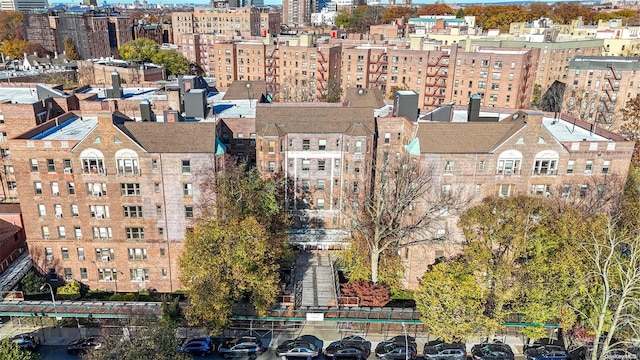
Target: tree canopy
column 70, row 49
column 237, row 246
column 11, row 25
column 11, row 351
column 148, row 51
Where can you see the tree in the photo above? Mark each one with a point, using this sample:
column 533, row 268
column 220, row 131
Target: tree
column 70, row 291
column 630, row 128
column 154, row 341
column 70, row 49
column 14, row 48
column 450, row 301
column 173, row 61
column 139, row 49
column 31, row 283
column 11, row 25
column 31, row 47
column 538, row 10
column 564, row 12
column 236, row 247
column 368, row 293
column 333, row 93
column 460, row 14
column 435, row 9
column 11, row 351
column 396, row 12
column 402, row 207
column 171, row 310
column 611, row 289
column 344, row 20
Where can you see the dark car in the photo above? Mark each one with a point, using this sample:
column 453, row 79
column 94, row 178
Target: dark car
column 349, row 342
column 198, row 346
column 243, row 346
column 492, row 351
column 83, row 345
column 29, row 342
column 546, row 352
column 356, row 352
column 305, row 346
column 440, row 350
column 396, row 348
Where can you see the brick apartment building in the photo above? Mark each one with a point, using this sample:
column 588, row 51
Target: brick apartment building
column 109, row 200
column 237, row 22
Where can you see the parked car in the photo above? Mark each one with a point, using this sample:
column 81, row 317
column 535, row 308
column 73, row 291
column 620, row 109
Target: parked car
column 440, row 350
column 396, row 348
column 29, row 342
column 305, row 346
column 198, row 346
column 356, row 352
column 83, row 345
column 546, row 352
column 349, row 342
column 492, row 351
column 620, row 354
column 243, row 346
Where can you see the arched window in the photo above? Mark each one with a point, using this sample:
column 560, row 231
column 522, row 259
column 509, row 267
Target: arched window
column 509, row 163
column 92, row 162
column 127, row 162
column 546, row 163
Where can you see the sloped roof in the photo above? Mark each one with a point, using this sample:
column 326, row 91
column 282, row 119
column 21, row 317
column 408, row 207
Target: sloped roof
column 313, row 119
column 371, row 98
column 7, row 229
column 238, row 90
column 464, row 138
column 179, row 137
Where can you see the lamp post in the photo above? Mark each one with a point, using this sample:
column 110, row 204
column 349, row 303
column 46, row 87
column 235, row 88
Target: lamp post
column 248, row 95
column 406, row 342
column 55, row 309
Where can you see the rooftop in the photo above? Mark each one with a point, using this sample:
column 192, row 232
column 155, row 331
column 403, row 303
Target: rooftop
column 19, row 95
column 75, row 128
column 129, row 93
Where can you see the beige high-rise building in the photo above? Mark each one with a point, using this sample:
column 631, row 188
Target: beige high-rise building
column 297, row 13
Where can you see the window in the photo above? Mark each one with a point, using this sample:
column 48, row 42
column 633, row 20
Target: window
column 320, row 204
column 187, row 189
column 158, row 209
column 37, row 188
column 102, row 233
column 34, row 165
column 97, row 189
column 321, row 184
column 57, row 209
column 541, row 190
column 162, row 252
column 78, row 232
column 132, row 211
column 154, row 164
column 8, row 169
column 446, row 190
column 74, row 210
column 81, row 254
column 584, row 189
column 62, row 232
column 12, row 185
column 306, row 165
column 356, row 187
column 99, row 211
column 42, row 210
column 51, row 165
column 188, row 211
column 322, row 145
column 306, row 144
column 139, row 274
column 45, row 232
column 55, row 189
column 156, row 187
column 164, row 272
column 544, row 167
column 272, row 147
column 107, row 275
column 505, row 190
column 161, row 231
column 186, row 166
column 67, row 166
column 441, row 234
column 65, row 253
column 92, row 162
column 605, row 166
column 448, row 166
column 48, row 253
column 130, row 189
column 83, row 274
column 105, row 254
column 138, row 254
column 71, row 188
column 321, row 165
column 67, row 274
column 588, row 168
column 570, row 165
column 134, row 233
column 358, row 149
column 272, row 167
column 127, row 162
column 387, row 138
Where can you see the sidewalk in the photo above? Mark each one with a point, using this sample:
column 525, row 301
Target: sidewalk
column 48, row 335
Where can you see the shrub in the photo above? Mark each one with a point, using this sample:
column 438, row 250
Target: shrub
column 129, row 297
column 116, row 297
column 368, row 293
column 71, row 291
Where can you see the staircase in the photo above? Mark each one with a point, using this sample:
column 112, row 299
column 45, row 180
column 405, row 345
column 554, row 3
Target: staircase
column 318, row 284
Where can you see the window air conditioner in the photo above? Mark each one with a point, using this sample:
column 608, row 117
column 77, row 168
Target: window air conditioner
column 107, row 278
column 59, row 216
column 49, row 257
column 508, row 172
column 68, row 170
column 99, row 216
column 56, row 193
column 105, row 258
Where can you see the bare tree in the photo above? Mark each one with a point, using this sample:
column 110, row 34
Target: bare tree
column 611, row 288
column 597, row 194
column 630, row 128
column 403, row 206
column 296, row 89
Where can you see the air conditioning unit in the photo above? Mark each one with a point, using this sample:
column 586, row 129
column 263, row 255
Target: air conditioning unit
column 587, row 172
column 508, row 172
column 105, row 258
column 69, row 278
column 46, row 236
column 103, row 238
column 565, row 195
column 96, row 194
column 68, row 170
column 49, row 257
column 551, row 171
column 59, row 216
column 56, row 194
column 107, row 278
column 99, row 216
column 79, row 238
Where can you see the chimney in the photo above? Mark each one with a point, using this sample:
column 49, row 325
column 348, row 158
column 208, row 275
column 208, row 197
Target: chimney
column 55, row 54
column 145, row 111
column 35, row 53
column 473, row 111
column 25, row 55
column 405, row 104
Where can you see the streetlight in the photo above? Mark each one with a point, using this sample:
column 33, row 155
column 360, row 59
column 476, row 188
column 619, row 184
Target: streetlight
column 406, row 342
column 248, row 95
column 55, row 309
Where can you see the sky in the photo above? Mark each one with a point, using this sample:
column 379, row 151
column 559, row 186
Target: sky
column 279, row 2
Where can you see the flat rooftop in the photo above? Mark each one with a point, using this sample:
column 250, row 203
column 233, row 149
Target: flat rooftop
column 229, row 109
column 129, row 93
column 19, row 95
column 73, row 129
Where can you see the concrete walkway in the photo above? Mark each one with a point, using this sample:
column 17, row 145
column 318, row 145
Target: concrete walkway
column 318, row 285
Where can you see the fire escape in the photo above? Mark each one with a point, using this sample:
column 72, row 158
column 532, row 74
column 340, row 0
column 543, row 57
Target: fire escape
column 608, row 99
column 271, row 63
column 436, row 83
column 322, row 79
column 380, row 65
column 525, row 81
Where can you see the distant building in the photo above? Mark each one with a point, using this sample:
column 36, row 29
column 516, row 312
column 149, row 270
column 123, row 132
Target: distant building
column 297, row 13
column 98, row 72
column 22, row 5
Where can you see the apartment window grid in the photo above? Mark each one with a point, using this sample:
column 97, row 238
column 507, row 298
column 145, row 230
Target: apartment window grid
column 188, row 211
column 132, row 211
column 137, row 254
column 134, row 233
column 71, row 188
column 102, row 233
column 80, row 254
column 187, row 189
column 107, row 275
column 105, row 254
column 51, row 165
column 34, row 165
column 65, row 253
column 139, row 274
column 130, row 189
column 37, row 188
column 186, row 166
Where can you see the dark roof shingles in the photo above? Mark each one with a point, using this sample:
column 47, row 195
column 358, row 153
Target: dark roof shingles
column 180, row 137
column 312, row 119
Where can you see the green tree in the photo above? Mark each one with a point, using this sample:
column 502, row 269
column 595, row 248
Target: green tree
column 630, row 207
column 11, row 351
column 460, row 14
column 171, row 310
column 70, row 291
column 139, row 49
column 155, row 341
column 344, row 20
column 450, row 300
column 31, row 283
column 173, row 61
column 236, row 247
column 14, row 48
column 70, row 49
